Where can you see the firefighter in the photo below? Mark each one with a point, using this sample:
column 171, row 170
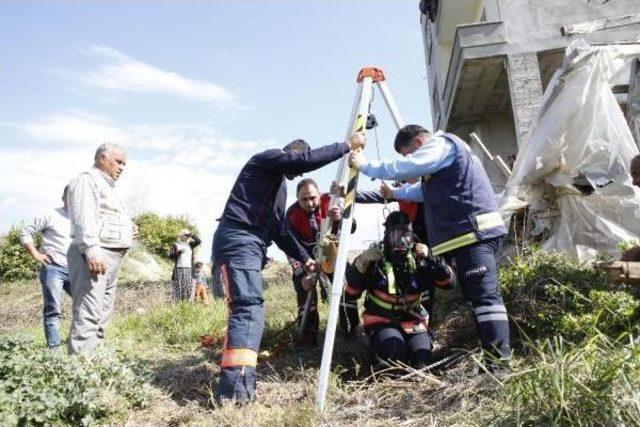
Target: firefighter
column 252, row 218
column 397, row 276
column 462, row 221
column 304, row 219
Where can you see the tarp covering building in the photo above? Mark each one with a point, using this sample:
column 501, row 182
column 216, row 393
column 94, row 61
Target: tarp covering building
column 573, row 171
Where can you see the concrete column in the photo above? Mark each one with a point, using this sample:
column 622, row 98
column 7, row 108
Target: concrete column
column 492, row 10
column 525, row 86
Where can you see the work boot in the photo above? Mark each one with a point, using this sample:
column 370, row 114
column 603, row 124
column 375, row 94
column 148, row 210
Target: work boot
column 237, row 384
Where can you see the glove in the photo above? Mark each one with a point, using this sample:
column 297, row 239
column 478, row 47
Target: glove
column 364, row 260
column 441, row 273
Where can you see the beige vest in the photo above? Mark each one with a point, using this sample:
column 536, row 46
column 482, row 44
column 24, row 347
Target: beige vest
column 114, row 224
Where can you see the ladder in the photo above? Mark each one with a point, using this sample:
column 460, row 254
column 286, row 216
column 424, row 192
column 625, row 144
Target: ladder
column 367, row 77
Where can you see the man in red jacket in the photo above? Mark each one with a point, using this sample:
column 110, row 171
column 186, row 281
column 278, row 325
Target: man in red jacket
column 303, row 220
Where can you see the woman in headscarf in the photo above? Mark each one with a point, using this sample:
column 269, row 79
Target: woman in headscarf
column 182, row 253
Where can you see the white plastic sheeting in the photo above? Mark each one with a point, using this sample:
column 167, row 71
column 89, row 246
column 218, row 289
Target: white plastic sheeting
column 582, row 138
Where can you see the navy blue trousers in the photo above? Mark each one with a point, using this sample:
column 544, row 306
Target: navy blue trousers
column 239, row 257
column 477, row 269
column 389, row 343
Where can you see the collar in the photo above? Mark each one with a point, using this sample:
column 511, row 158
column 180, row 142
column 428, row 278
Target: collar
column 106, row 177
column 437, row 134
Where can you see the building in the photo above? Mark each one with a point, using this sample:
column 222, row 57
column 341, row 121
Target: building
column 489, row 61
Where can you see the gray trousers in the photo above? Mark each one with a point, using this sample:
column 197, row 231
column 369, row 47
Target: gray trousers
column 93, row 299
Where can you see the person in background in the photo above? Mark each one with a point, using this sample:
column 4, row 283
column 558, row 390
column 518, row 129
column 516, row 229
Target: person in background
column 182, row 254
column 200, row 284
column 101, row 234
column 54, row 274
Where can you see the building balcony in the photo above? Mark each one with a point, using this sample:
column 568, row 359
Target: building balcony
column 475, row 69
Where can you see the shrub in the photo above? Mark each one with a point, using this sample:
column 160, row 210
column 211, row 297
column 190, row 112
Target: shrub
column 15, row 262
column 549, row 293
column 42, row 387
column 628, row 244
column 158, row 233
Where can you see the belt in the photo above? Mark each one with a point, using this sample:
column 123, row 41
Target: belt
column 389, row 306
column 484, row 222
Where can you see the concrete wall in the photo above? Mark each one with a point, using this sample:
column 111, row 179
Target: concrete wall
column 531, row 26
column 534, row 25
column 498, row 135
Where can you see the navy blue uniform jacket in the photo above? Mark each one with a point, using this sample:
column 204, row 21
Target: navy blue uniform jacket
column 258, row 199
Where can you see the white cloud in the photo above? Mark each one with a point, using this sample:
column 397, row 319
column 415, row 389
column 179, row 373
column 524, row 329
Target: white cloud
column 120, row 72
column 175, row 143
column 172, row 169
column 73, row 127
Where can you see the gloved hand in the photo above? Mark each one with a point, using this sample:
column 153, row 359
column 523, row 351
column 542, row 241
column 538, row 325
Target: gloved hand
column 440, row 272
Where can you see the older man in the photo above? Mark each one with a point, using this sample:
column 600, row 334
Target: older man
column 101, row 234
column 54, row 226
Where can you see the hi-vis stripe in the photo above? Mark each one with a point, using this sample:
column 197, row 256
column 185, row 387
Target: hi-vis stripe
column 491, row 313
column 353, row 175
column 484, row 222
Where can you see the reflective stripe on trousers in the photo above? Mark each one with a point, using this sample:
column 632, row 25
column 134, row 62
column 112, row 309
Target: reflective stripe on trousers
column 243, row 289
column 477, row 270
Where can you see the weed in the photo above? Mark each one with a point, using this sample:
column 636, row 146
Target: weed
column 43, row 387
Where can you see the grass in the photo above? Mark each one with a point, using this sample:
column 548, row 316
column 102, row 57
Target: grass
column 567, row 368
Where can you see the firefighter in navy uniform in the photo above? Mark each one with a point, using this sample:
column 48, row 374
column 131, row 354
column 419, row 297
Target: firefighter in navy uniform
column 462, row 221
column 252, row 218
column 397, row 278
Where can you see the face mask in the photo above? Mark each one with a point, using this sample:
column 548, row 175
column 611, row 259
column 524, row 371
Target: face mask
column 399, row 239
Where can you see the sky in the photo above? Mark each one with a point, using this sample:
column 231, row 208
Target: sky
column 193, row 89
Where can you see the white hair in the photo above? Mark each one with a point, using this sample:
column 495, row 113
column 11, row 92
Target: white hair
column 106, row 149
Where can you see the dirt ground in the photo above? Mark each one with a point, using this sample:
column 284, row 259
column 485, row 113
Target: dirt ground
column 185, row 382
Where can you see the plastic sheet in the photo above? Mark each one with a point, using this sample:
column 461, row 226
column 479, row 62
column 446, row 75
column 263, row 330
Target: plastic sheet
column 577, row 158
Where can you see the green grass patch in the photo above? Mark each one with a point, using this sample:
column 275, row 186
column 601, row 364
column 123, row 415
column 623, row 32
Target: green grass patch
column 594, row 383
column 174, row 327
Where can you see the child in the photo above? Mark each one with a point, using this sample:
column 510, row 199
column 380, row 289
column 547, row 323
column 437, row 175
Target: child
column 200, row 284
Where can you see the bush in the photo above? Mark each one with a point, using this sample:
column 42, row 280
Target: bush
column 42, row 387
column 628, row 244
column 158, row 233
column 549, row 293
column 15, row 262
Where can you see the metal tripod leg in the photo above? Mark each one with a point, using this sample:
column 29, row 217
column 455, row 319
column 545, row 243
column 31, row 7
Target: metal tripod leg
column 366, row 78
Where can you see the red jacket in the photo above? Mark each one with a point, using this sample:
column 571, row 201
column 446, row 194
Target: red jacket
column 299, row 222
